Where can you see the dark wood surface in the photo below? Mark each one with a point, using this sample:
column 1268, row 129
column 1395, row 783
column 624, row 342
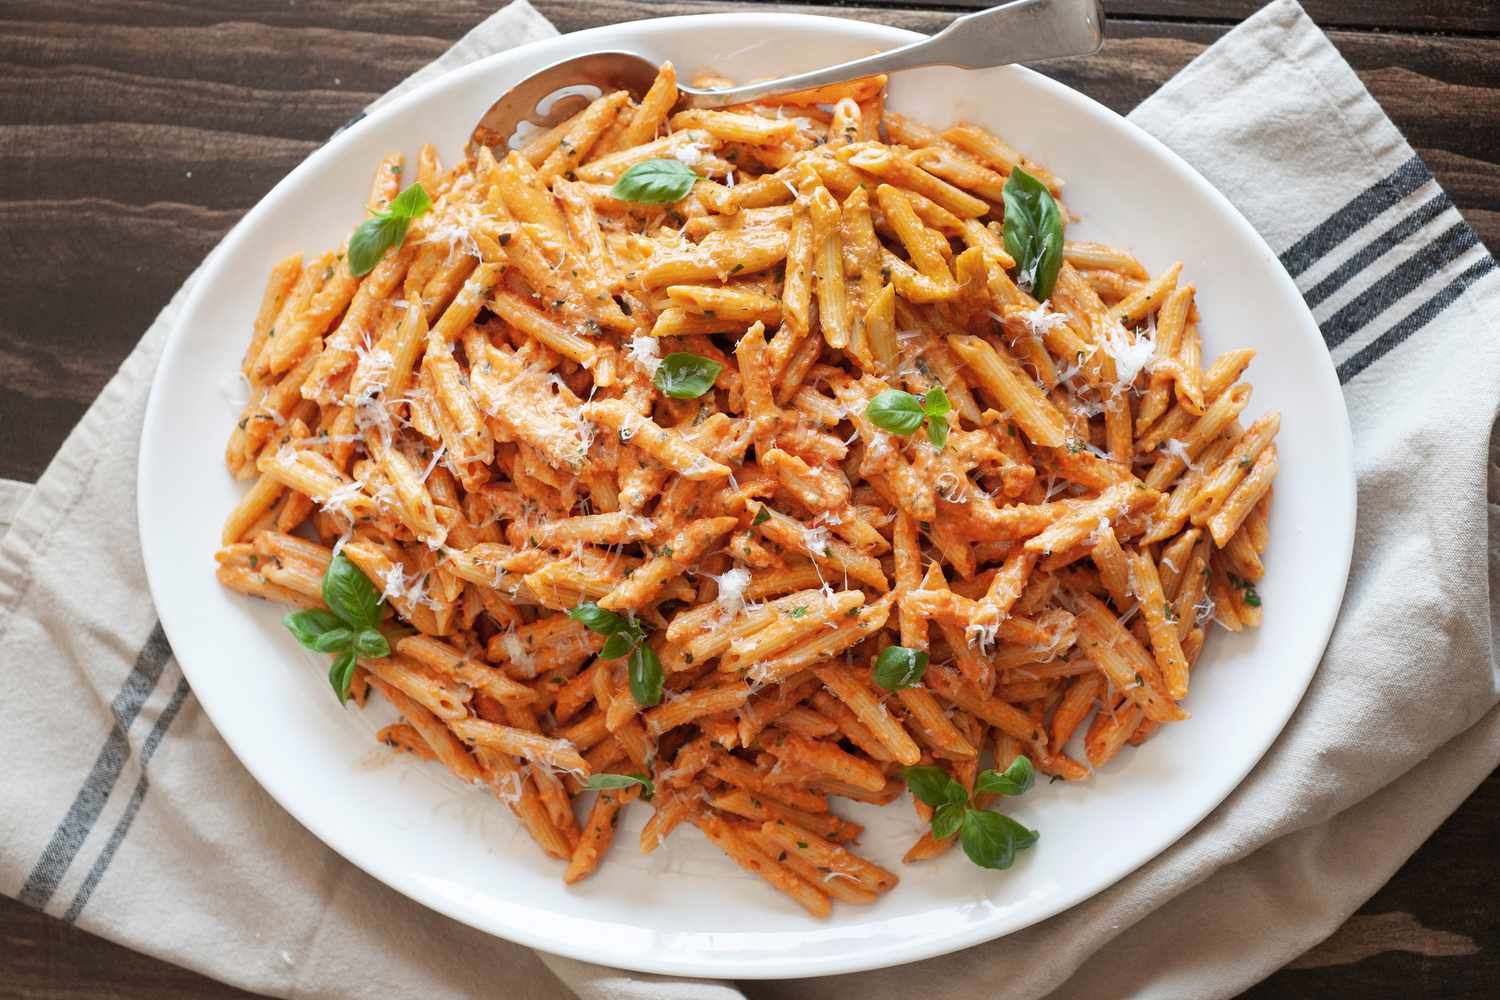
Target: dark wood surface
column 133, row 133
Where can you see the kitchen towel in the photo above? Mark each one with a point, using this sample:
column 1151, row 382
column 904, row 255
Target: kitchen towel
column 123, row 811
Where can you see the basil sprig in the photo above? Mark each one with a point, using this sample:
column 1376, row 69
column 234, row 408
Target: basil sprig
column 655, row 182
column 625, row 636
column 348, row 629
column 1033, row 233
column 686, row 376
column 990, row 839
column 648, row 787
column 898, row 667
column 384, row 230
column 901, row 413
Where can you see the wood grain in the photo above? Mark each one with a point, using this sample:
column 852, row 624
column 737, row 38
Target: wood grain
column 134, row 133
column 1449, row 16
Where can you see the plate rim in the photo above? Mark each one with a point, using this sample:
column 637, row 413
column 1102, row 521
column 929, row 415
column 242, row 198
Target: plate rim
column 798, row 964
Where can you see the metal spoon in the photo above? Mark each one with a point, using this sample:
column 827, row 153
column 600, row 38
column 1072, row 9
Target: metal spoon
column 1021, row 31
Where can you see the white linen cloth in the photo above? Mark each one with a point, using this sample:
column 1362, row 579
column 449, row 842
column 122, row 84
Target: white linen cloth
column 123, row 810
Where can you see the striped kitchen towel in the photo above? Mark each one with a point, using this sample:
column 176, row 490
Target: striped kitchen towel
column 123, row 811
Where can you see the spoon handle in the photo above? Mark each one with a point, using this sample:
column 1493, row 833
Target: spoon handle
column 1017, row 32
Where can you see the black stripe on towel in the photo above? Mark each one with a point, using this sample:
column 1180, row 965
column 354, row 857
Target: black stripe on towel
column 1377, row 248
column 1356, row 214
column 122, row 827
column 1403, row 279
column 79, row 821
column 1418, row 318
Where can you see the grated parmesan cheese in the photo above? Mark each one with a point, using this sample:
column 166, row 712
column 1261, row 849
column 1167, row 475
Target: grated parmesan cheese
column 815, row 540
column 437, row 456
column 690, row 154
column 337, row 502
column 646, row 352
column 983, row 636
column 1041, row 320
column 1098, row 532
column 1205, row 610
column 732, row 587
column 398, row 587
column 1178, row 450
column 1131, row 357
column 516, row 653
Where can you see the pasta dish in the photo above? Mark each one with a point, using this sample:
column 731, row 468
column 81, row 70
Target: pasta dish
column 727, row 464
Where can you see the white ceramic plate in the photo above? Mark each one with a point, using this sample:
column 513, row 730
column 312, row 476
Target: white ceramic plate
column 687, row 909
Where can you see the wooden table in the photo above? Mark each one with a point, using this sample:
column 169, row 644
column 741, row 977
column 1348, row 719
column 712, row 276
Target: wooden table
column 135, row 132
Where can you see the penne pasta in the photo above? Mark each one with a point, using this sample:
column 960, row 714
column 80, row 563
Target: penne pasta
column 728, row 462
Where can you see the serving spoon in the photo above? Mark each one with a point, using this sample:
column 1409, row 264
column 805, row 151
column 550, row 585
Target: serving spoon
column 1021, row 31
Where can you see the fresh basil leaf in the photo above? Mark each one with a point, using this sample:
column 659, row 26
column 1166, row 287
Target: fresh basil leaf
column 616, row 646
column 350, row 594
column 937, row 431
column 1014, row 780
column 597, row 619
column 655, row 182
column 761, row 517
column 370, row 643
column 686, row 376
column 935, row 403
column 410, row 203
column 645, row 674
column 933, row 786
column 898, row 667
column 1252, row 596
column 377, row 234
column 341, row 674
column 371, row 239
column 947, row 818
column 308, row 625
column 335, row 640
column 991, row 839
column 895, row 411
column 1033, row 233
column 648, row 787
